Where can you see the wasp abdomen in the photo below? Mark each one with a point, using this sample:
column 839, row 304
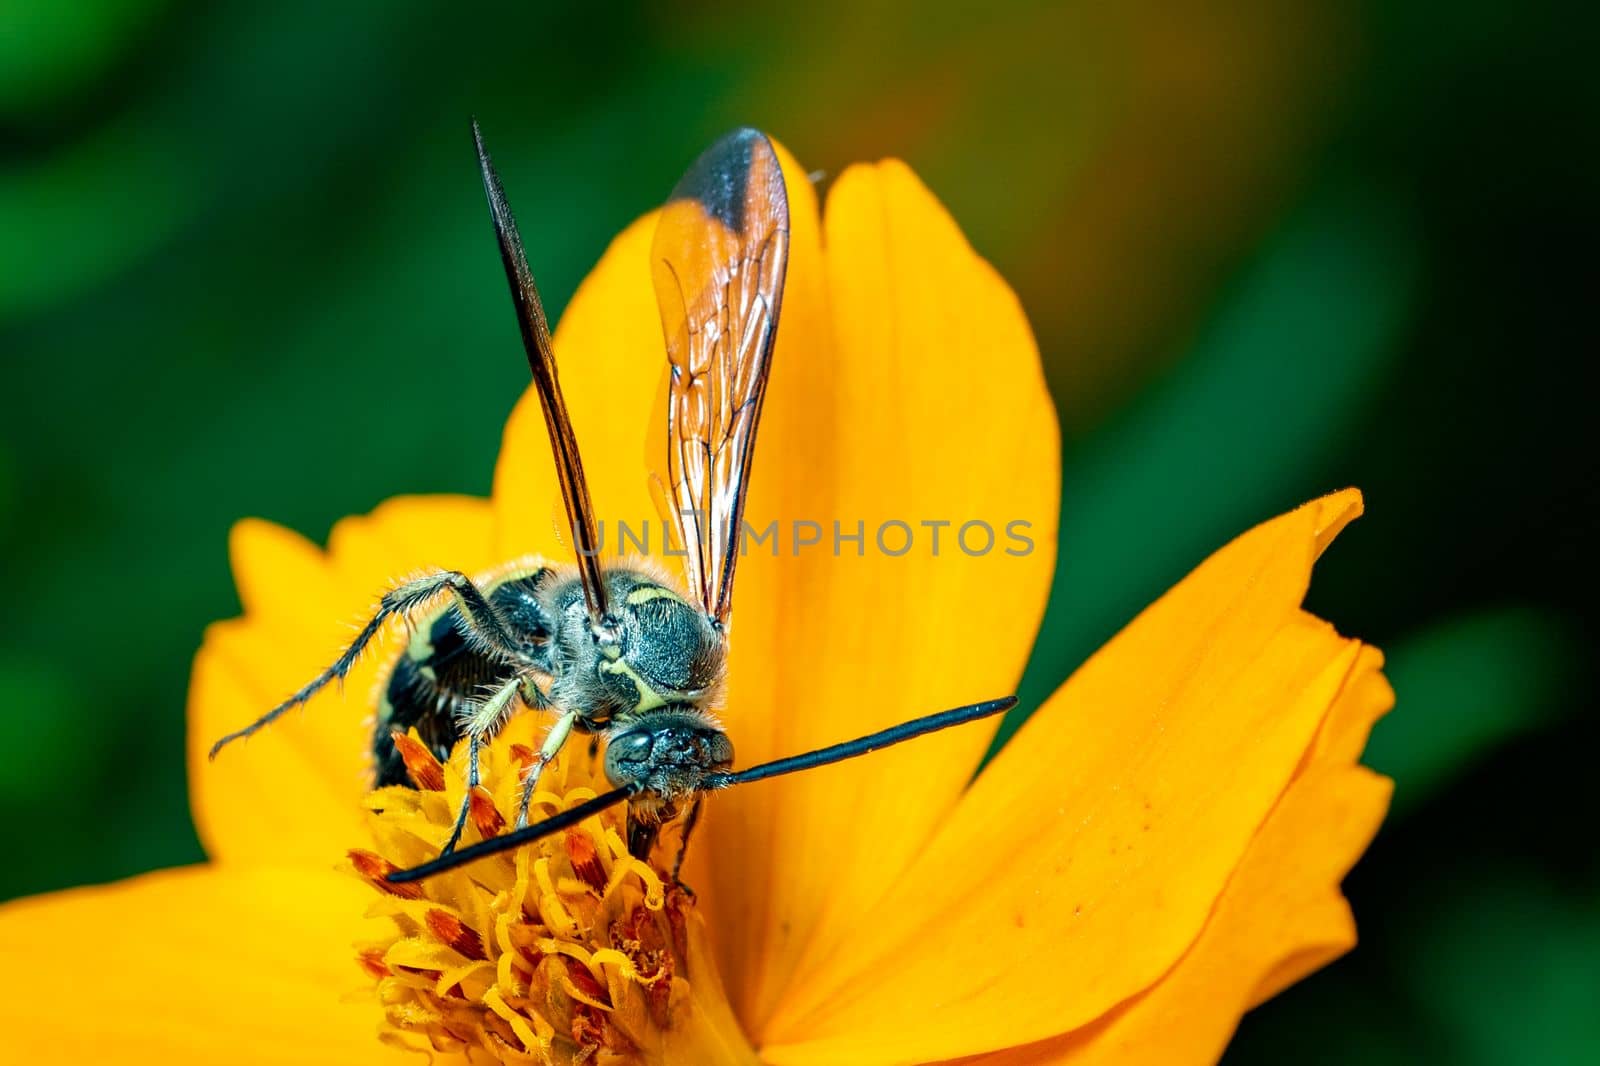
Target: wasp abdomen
column 442, row 672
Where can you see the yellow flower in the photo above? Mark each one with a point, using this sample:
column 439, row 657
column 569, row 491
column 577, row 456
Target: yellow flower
column 1157, row 850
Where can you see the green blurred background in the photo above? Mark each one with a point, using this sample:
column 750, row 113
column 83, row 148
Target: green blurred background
column 1270, row 248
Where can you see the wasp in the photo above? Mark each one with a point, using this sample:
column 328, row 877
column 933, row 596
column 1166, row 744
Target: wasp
column 606, row 648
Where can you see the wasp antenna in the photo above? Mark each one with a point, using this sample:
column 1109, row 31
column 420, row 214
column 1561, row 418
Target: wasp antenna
column 527, row 835
column 542, row 362
column 849, row 749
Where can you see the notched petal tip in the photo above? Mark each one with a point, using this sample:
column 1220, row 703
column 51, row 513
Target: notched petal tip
column 271, row 563
column 251, row 536
column 1332, row 513
column 1135, row 791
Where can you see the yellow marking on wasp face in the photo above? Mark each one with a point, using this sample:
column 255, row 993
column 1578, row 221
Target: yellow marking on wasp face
column 649, row 698
column 646, row 593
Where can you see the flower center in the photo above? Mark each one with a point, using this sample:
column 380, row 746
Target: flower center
column 566, row 950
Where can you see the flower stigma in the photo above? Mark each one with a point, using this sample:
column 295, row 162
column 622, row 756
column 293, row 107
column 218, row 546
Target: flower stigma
column 567, row 950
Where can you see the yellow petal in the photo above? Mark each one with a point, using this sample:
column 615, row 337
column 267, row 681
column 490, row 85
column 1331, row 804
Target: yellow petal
column 1085, row 860
column 293, row 791
column 1280, row 916
column 1339, row 743
column 1366, row 699
column 909, row 391
column 202, row 965
column 905, row 387
column 409, row 533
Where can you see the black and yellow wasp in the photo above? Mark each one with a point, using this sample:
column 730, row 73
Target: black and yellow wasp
column 607, row 648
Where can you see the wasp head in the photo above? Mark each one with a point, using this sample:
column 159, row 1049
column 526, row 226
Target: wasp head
column 669, row 752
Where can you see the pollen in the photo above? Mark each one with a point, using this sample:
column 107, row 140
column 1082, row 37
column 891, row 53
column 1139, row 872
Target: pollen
column 568, row 950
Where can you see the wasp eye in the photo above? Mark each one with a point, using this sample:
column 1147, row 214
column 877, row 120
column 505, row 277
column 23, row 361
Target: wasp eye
column 631, row 746
column 627, row 756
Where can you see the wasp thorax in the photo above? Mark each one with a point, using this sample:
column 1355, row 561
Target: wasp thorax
column 653, row 650
column 669, row 752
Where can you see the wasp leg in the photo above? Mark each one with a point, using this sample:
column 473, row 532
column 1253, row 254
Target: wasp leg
column 689, row 822
column 466, row 800
column 483, row 619
column 553, row 742
column 480, row 723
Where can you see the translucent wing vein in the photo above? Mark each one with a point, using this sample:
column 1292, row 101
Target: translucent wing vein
column 721, row 252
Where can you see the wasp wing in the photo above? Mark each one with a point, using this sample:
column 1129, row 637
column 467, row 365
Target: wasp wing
column 542, row 361
column 718, row 263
